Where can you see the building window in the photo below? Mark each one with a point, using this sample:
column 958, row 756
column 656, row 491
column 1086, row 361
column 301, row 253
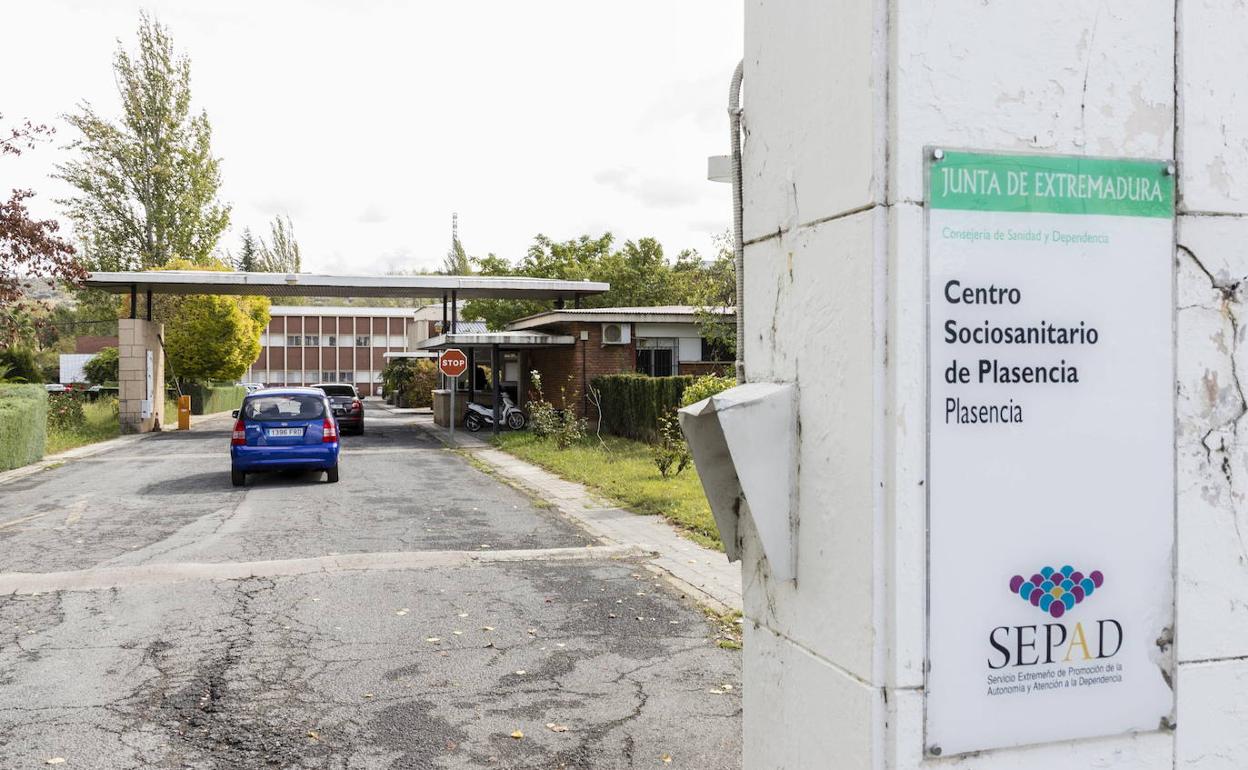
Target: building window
column 270, row 340
column 716, row 350
column 329, row 376
column 311, row 340
column 656, row 357
column 331, row 341
column 295, row 340
column 346, row 376
column 362, row 341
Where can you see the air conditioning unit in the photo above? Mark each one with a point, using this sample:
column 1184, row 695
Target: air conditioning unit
column 617, row 334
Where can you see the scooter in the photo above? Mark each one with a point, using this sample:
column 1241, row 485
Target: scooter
column 478, row 415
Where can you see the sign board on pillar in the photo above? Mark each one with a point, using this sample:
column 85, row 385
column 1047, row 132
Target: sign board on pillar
column 452, row 362
column 1050, row 448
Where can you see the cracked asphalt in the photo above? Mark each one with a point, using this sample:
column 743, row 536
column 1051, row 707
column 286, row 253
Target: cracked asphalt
column 433, row 660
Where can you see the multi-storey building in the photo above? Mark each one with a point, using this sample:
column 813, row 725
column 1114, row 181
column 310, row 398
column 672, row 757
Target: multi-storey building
column 304, row 344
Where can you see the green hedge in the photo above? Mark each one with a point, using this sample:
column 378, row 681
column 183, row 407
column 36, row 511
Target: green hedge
column 23, row 424
column 210, row 399
column 633, row 403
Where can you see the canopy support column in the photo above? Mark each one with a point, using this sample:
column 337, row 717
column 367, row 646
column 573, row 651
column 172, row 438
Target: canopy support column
column 454, row 312
column 494, row 376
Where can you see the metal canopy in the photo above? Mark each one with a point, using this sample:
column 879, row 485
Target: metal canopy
column 311, row 285
column 508, row 340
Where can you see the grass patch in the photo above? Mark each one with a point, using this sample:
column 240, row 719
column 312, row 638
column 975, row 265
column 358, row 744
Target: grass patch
column 624, row 471
column 729, row 634
column 100, row 425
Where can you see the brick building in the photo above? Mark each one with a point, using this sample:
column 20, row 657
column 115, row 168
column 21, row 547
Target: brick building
column 305, row 344
column 570, row 347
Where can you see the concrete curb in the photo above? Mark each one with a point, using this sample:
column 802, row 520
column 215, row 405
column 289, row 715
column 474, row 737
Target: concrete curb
column 701, row 572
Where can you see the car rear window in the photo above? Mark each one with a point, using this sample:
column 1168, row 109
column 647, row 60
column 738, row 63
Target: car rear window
column 338, row 390
column 292, row 407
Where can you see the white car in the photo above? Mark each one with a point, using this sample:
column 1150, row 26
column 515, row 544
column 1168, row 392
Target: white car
column 252, row 387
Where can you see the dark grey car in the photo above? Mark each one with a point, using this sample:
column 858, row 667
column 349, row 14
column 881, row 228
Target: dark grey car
column 347, row 406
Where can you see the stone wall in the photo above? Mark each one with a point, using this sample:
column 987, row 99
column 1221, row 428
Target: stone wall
column 135, row 338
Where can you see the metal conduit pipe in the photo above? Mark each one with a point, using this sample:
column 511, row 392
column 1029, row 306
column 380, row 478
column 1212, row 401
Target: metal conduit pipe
column 738, row 230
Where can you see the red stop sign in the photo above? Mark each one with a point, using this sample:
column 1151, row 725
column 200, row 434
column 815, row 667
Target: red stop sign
column 453, row 362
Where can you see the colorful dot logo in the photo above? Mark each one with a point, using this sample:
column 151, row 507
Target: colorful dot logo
column 1056, row 591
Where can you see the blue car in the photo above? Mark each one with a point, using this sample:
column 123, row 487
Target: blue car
column 281, row 429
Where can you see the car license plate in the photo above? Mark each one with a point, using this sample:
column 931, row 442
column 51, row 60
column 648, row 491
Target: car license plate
column 285, row 431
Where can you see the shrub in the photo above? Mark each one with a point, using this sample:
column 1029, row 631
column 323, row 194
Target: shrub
column 210, row 399
column 22, row 365
column 419, row 391
column 670, row 452
column 632, row 404
column 548, row 422
column 102, row 367
column 705, row 387
column 23, row 424
column 411, row 381
column 65, row 411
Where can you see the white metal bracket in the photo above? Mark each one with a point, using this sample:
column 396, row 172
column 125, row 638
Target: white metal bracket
column 744, row 445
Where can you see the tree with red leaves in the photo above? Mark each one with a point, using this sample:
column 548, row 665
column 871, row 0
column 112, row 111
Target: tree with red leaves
column 31, row 252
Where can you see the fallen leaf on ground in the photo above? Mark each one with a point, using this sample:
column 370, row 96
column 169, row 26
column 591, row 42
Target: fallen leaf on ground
column 487, row 628
column 517, row 734
column 433, row 640
column 521, row 672
column 55, row 761
column 554, row 728
column 401, row 612
column 667, row 759
column 458, row 633
column 463, row 614
column 368, row 695
column 314, row 735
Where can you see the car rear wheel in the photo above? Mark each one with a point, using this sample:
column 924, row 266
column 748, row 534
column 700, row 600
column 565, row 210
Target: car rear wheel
column 331, row 475
column 237, row 478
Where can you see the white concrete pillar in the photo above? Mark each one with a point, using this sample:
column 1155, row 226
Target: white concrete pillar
column 141, row 375
column 840, row 100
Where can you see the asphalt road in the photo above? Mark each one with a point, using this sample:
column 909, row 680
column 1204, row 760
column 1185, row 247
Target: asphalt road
column 415, row 615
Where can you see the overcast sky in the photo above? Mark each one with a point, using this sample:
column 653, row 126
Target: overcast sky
column 370, row 121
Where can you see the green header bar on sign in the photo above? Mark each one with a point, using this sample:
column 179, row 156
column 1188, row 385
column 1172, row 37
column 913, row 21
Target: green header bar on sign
column 1051, row 184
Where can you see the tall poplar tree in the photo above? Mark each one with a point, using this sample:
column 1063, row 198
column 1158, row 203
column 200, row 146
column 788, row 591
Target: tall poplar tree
column 280, row 254
column 147, row 185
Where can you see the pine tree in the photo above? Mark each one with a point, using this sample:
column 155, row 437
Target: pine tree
column 249, row 255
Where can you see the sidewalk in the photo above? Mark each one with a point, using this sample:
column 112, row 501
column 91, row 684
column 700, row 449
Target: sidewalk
column 705, row 572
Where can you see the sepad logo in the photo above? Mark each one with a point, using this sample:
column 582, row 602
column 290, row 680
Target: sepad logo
column 1057, row 591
